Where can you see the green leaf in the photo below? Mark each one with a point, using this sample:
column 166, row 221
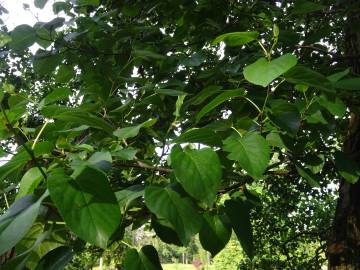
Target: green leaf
column 226, row 95
column 86, row 203
column 304, row 7
column 87, row 2
column 315, row 162
column 147, row 54
column 84, row 118
column 347, row 167
column 127, row 195
column 54, row 23
column 25, row 258
column 64, row 74
column 43, row 35
column 204, row 94
column 178, row 211
column 251, row 151
column 57, row 94
column 17, row 221
column 146, row 259
column 194, row 60
column 164, row 231
column 22, row 37
column 316, row 118
column 200, row 135
column 277, row 139
column 61, row 6
column 45, row 62
column 263, row 72
column 215, row 233
column 130, row 132
column 14, row 164
column 125, row 154
column 198, row 171
column 169, row 92
column 4, row 39
column 236, row 38
column 306, row 76
column 285, row 115
column 312, row 179
column 56, row 259
column 333, row 104
column 101, row 160
column 30, row 181
column 239, row 215
column 40, row 3
column 338, row 75
column 352, row 84
column 178, row 105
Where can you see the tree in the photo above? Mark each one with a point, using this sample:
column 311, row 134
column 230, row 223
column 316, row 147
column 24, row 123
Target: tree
column 172, row 114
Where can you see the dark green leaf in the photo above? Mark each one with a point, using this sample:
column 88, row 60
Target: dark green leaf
column 56, row 259
column 146, row 259
column 333, row 104
column 86, row 203
column 198, row 171
column 127, row 195
column 4, row 39
column 179, row 212
column 17, row 221
column 84, row 118
column 64, row 74
column 87, row 2
column 352, row 84
column 306, row 76
column 130, row 132
column 45, row 62
column 40, row 3
column 236, row 38
column 23, row 36
column 199, row 135
column 125, row 154
column 305, row 6
column 239, row 215
column 338, row 75
column 204, row 94
column 30, row 181
column 347, row 167
column 226, row 95
column 164, row 231
column 285, row 115
column 251, row 151
column 263, row 72
column 169, row 92
column 312, row 179
column 215, row 233
column 56, row 95
column 14, row 164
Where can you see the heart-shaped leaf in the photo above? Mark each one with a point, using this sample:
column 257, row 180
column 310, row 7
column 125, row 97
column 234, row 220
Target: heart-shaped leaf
column 86, row 203
column 263, row 72
column 251, row 151
column 198, row 171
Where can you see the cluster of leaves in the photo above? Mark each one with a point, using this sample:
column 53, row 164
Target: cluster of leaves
column 129, row 115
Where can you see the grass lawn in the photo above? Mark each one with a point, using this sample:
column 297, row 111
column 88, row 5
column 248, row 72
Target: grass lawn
column 170, row 266
column 178, row 266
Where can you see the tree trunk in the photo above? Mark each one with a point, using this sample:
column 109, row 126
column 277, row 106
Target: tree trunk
column 343, row 249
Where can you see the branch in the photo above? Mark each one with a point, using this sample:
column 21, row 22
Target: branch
column 142, row 165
